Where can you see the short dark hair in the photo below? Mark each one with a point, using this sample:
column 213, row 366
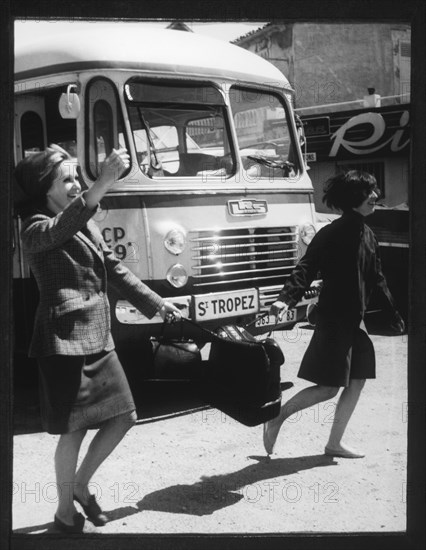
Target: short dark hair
column 34, row 176
column 349, row 189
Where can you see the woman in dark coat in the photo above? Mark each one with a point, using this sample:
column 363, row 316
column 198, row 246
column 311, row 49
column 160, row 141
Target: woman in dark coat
column 82, row 383
column 340, row 353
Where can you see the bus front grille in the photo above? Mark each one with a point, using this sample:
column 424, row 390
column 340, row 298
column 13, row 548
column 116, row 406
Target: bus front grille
column 241, row 257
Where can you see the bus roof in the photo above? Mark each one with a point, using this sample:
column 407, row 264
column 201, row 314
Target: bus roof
column 123, row 46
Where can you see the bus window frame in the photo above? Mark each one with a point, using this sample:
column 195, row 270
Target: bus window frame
column 283, row 101
column 89, row 130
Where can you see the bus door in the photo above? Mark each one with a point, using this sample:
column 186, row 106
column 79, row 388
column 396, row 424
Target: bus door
column 37, row 124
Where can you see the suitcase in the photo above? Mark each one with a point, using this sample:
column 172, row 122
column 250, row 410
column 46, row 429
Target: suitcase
column 175, row 358
column 242, row 376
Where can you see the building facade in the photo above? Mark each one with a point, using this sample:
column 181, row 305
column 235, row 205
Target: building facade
column 331, row 63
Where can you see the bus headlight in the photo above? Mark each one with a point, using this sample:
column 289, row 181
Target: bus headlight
column 175, row 241
column 307, row 232
column 177, row 276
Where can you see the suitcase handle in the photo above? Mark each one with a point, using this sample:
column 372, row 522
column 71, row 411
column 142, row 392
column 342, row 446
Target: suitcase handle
column 214, row 335
column 210, row 333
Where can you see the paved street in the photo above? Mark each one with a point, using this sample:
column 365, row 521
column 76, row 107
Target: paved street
column 204, row 473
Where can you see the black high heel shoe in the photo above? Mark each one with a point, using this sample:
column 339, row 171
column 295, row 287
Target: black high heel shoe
column 76, row 527
column 93, row 511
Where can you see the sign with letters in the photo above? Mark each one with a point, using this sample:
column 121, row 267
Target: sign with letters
column 247, row 207
column 382, row 132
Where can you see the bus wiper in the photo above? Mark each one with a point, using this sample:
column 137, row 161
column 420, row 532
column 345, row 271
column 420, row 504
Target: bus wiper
column 285, row 166
column 154, row 163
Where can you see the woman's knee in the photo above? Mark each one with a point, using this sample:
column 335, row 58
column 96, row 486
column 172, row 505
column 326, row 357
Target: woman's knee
column 122, row 422
column 329, row 391
column 72, row 439
column 357, row 383
column 129, row 418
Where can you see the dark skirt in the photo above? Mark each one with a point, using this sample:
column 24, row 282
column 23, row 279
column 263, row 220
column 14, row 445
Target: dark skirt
column 337, row 353
column 78, row 392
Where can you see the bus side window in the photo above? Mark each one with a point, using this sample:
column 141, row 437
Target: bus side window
column 30, row 129
column 104, row 122
column 103, row 117
column 39, row 123
column 32, row 135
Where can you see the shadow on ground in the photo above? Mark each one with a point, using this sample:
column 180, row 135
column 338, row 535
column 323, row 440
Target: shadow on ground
column 211, row 493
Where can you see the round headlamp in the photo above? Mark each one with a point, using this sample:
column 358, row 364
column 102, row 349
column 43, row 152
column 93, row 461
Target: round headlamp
column 177, row 276
column 307, row 233
column 175, row 241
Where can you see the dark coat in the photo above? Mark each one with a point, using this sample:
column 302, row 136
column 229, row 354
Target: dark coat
column 72, row 265
column 345, row 255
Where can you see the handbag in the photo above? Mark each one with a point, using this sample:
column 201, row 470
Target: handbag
column 175, row 358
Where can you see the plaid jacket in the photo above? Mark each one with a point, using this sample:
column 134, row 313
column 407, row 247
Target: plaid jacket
column 72, row 265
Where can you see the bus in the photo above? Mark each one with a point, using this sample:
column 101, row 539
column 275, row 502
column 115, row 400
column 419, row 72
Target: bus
column 217, row 205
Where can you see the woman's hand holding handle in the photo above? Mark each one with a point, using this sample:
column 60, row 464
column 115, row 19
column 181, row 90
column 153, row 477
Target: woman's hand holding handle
column 397, row 324
column 170, row 313
column 278, row 308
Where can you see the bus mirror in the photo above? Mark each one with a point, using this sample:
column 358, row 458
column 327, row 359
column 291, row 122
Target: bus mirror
column 69, row 103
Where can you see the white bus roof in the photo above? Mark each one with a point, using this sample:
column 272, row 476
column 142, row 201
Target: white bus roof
column 157, row 51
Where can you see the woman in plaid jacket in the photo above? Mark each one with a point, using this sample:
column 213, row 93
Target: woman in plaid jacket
column 82, row 382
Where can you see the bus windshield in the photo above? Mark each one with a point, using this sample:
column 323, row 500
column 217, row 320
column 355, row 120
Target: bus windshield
column 179, row 130
column 264, row 140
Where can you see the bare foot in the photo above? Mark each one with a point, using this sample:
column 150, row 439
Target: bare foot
column 342, row 451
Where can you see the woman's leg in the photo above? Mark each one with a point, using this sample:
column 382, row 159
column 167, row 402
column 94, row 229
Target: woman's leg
column 303, row 399
column 345, row 407
column 107, row 438
column 66, row 457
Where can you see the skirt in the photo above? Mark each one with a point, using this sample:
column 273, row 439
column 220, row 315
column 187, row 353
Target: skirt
column 337, row 353
column 78, row 392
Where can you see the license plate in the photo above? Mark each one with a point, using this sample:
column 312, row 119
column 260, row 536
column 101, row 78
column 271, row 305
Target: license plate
column 226, row 304
column 270, row 320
